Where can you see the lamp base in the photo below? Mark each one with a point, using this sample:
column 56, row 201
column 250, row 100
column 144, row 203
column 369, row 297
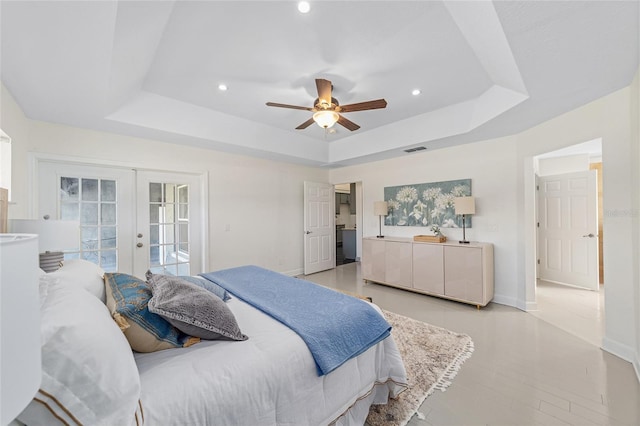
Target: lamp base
column 379, row 236
column 463, row 242
column 51, row 261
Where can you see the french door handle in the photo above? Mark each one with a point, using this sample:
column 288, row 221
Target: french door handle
column 588, row 236
column 139, row 245
column 308, row 232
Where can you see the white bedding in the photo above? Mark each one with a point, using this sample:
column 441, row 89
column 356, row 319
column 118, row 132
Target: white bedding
column 269, row 379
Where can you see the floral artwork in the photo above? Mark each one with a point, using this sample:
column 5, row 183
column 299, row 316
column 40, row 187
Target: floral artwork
column 426, row 204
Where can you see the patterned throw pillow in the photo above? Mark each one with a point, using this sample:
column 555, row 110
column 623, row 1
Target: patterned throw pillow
column 127, row 299
column 192, row 309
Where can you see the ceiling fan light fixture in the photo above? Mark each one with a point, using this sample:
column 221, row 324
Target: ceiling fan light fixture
column 325, row 119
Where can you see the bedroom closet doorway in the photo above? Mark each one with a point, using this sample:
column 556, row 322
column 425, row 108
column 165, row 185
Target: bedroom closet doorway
column 130, row 220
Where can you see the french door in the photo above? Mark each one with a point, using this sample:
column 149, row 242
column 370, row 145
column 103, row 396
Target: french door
column 169, row 224
column 130, row 221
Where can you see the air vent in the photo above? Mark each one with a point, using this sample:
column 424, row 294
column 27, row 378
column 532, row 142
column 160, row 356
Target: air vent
column 417, row 148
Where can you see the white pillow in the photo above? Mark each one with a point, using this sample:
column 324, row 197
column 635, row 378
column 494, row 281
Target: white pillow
column 89, row 375
column 82, row 273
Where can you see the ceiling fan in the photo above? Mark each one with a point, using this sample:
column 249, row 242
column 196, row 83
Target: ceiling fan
column 327, row 110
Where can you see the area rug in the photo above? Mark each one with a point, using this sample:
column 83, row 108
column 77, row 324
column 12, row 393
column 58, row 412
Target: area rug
column 432, row 357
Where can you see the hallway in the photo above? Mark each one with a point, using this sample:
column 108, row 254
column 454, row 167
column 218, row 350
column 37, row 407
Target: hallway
column 576, row 311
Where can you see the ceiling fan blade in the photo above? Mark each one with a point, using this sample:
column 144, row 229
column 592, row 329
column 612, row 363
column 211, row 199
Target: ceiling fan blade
column 273, row 104
column 362, row 106
column 305, row 124
column 347, row 123
column 324, row 90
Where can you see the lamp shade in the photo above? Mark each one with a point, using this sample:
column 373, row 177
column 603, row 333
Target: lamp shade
column 465, row 205
column 380, row 208
column 20, row 352
column 53, row 235
column 325, row 118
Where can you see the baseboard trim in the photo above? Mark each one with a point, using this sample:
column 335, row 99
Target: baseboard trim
column 505, row 300
column 531, row 306
column 293, row 272
column 621, row 351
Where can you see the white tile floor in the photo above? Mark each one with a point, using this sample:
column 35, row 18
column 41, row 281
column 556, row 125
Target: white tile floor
column 524, row 371
column 579, row 312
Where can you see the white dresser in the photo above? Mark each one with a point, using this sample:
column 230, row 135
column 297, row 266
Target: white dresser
column 461, row 272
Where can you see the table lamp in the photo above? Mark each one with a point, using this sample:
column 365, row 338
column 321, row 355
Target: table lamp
column 465, row 206
column 380, row 208
column 53, row 237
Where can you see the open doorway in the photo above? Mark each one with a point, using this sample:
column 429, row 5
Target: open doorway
column 561, row 285
column 346, row 223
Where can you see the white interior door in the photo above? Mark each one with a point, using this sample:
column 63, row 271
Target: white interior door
column 568, row 229
column 169, row 225
column 319, row 227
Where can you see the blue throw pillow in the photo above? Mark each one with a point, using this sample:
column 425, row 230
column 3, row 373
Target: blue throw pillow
column 127, row 300
column 209, row 286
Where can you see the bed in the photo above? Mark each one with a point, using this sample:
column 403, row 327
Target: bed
column 267, row 375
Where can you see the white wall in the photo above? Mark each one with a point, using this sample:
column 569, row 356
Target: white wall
column 491, row 166
column 561, row 165
column 260, row 200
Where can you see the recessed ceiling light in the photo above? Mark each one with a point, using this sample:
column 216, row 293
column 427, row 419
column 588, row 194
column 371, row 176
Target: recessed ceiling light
column 415, row 92
column 304, row 7
column 222, row 87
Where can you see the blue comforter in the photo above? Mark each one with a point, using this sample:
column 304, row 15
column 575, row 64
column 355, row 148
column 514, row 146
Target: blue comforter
column 335, row 327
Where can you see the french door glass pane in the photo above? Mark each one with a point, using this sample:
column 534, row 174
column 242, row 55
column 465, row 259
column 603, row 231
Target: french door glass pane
column 108, row 214
column 108, row 237
column 169, row 228
column 89, row 189
column 93, row 202
column 70, row 211
column 69, row 189
column 89, row 213
column 89, row 236
column 108, row 190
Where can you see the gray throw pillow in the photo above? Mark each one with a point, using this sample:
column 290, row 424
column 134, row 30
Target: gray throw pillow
column 208, row 285
column 192, row 309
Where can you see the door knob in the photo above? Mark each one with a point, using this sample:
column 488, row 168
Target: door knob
column 139, row 245
column 139, row 235
column 308, row 232
column 588, row 236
